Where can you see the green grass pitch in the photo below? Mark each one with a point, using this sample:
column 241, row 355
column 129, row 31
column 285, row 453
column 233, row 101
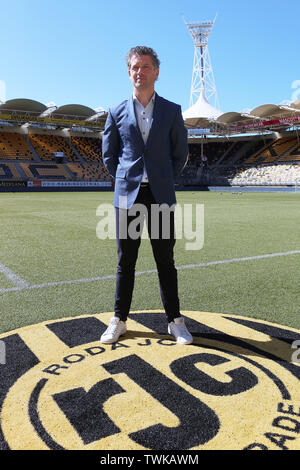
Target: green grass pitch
column 49, row 238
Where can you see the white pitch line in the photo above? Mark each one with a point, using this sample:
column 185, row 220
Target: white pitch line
column 13, row 277
column 23, row 285
column 237, row 260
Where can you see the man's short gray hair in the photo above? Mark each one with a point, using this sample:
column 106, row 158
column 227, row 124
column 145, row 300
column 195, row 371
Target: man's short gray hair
column 143, row 50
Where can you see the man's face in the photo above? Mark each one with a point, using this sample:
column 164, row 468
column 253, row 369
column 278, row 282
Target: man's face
column 142, row 72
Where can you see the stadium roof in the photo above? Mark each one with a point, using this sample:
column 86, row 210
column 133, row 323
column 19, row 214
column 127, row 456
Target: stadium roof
column 23, row 105
column 295, row 104
column 232, row 117
column 267, row 110
column 263, row 117
column 77, row 110
column 201, row 113
column 260, row 112
column 22, row 110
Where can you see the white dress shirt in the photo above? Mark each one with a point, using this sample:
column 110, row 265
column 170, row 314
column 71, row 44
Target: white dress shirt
column 144, row 120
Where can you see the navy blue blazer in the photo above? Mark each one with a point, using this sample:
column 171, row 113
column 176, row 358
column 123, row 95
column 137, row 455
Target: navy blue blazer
column 125, row 154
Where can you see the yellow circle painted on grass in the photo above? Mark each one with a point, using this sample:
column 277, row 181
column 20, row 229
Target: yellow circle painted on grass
column 235, row 387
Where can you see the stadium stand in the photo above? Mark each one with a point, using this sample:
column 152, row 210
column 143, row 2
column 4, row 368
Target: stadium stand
column 89, row 172
column 13, row 146
column 283, row 146
column 8, row 171
column 47, row 145
column 273, row 151
column 244, row 162
column 260, row 155
column 295, row 154
column 292, row 153
column 39, row 171
column 88, row 147
column 254, row 160
column 266, row 175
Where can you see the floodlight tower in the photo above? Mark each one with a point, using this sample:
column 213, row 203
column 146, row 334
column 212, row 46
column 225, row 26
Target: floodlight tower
column 203, row 82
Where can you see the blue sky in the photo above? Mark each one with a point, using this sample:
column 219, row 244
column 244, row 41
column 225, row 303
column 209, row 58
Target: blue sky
column 73, row 51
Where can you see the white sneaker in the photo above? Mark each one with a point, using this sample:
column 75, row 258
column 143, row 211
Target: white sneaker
column 178, row 329
column 115, row 329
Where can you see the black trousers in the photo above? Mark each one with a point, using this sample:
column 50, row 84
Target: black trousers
column 161, row 230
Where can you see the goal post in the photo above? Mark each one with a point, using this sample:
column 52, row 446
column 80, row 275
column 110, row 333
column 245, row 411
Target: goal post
column 297, row 185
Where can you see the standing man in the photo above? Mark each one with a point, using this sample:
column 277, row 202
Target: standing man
column 144, row 149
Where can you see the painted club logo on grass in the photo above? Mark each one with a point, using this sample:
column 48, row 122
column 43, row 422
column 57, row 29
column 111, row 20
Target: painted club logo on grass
column 235, row 387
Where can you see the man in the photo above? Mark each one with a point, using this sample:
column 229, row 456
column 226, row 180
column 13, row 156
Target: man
column 144, row 148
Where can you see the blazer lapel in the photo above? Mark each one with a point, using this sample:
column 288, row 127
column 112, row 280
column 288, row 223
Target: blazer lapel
column 156, row 118
column 132, row 118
